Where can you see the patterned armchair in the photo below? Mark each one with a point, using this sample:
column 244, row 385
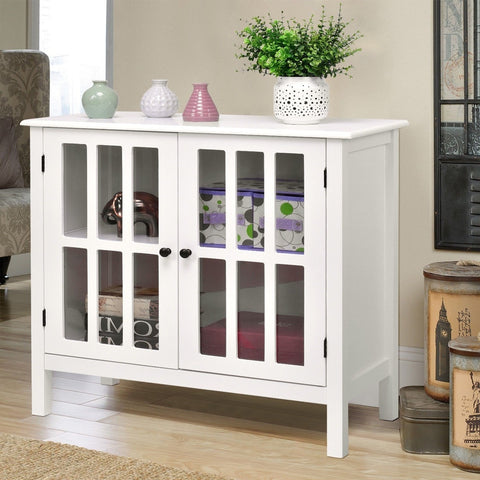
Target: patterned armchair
column 24, row 93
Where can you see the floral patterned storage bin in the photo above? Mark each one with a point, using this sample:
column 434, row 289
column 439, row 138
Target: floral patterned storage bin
column 289, row 213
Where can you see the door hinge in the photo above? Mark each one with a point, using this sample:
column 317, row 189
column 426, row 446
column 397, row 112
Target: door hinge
column 43, row 163
column 325, row 178
column 44, row 318
column 325, row 348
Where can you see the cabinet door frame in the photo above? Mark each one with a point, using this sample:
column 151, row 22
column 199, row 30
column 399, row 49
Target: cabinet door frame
column 313, row 371
column 56, row 241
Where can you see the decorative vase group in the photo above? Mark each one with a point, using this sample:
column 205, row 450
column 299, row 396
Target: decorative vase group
column 100, row 101
column 159, row 101
column 296, row 100
column 300, row 100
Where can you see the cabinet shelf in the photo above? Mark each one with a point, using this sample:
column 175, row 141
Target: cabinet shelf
column 77, row 233
column 81, row 233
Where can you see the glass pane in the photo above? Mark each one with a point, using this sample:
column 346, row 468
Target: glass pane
column 451, row 50
column 75, row 190
column 472, row 53
column 251, row 308
column 451, row 132
column 145, row 186
column 145, row 303
column 290, row 314
column 250, row 188
column 211, row 205
column 289, row 204
column 460, row 202
column 473, row 130
column 474, row 45
column 75, row 293
column 110, row 192
column 75, row 58
column 212, row 307
column 110, row 297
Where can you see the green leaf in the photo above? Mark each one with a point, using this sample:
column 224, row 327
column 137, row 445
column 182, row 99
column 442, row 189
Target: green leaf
column 297, row 48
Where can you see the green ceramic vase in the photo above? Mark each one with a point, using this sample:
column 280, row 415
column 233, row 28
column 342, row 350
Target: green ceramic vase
column 100, row 101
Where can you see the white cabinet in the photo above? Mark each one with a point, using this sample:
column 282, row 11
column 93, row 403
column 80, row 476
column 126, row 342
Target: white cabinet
column 223, row 256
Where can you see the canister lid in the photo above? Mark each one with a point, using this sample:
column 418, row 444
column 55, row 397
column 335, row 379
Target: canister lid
column 468, row 346
column 415, row 403
column 452, row 272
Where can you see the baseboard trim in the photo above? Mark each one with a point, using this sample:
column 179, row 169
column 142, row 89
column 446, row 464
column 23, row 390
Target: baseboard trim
column 412, row 361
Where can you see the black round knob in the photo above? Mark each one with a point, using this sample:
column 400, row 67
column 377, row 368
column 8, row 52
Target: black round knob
column 165, row 252
column 185, row 252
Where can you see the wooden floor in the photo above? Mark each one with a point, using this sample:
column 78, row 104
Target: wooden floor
column 239, row 437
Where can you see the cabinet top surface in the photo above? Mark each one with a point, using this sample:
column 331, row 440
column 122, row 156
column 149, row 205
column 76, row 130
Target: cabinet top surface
column 227, row 125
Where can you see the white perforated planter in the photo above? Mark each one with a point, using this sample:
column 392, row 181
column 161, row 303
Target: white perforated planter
column 300, row 100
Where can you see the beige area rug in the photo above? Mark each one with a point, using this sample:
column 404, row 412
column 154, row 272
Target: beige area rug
column 25, row 459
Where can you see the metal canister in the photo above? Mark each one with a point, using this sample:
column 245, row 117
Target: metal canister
column 465, row 403
column 424, row 422
column 451, row 310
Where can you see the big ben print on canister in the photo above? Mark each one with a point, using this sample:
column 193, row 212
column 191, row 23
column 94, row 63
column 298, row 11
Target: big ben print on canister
column 451, row 310
column 443, row 334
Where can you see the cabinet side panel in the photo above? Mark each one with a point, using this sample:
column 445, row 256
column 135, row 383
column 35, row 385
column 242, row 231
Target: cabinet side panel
column 370, row 259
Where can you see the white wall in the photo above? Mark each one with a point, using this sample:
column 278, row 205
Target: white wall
column 190, row 40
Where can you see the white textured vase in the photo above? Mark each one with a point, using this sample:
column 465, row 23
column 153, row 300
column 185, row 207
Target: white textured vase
column 300, row 100
column 159, row 100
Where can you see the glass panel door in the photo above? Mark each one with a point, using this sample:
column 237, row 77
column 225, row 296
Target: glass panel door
column 254, row 244
column 112, row 250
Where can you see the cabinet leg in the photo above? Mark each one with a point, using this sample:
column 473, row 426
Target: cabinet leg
column 337, row 429
column 109, row 381
column 388, row 401
column 41, row 392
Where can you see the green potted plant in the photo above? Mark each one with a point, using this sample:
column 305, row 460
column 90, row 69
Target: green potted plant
column 302, row 55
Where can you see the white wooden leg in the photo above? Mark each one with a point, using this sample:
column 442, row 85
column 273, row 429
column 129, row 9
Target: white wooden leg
column 389, row 387
column 337, row 429
column 109, row 381
column 41, row 392
column 337, row 398
column 388, row 398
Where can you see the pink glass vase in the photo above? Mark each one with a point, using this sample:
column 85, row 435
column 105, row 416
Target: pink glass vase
column 200, row 106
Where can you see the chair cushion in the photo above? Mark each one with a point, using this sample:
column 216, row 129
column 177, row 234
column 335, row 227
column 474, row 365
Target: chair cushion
column 14, row 221
column 10, row 168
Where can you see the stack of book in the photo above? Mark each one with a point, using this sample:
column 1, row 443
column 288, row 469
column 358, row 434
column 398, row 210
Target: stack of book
column 145, row 317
